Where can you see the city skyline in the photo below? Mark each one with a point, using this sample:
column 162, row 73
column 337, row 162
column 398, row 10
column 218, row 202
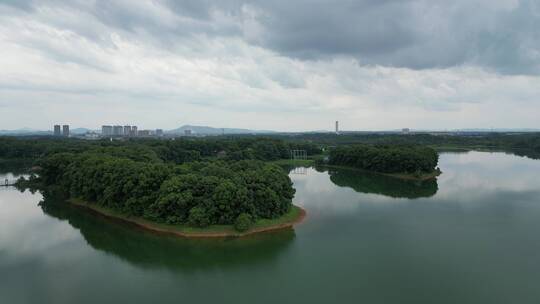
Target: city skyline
column 57, row 130
column 372, row 65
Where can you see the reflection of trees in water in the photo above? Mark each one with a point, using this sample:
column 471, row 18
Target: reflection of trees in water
column 368, row 182
column 146, row 249
column 299, row 171
column 527, row 153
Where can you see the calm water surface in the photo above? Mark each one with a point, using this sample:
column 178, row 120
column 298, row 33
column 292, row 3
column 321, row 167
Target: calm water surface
column 473, row 236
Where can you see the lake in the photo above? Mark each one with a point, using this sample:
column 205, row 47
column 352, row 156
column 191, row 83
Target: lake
column 472, row 236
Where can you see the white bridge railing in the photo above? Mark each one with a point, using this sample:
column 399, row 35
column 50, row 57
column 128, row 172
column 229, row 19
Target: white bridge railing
column 298, row 154
column 8, row 182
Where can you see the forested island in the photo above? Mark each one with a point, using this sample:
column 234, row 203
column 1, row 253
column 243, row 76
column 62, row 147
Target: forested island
column 407, row 161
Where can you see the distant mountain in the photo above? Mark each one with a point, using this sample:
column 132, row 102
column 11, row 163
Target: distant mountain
column 28, row 131
column 24, row 131
column 205, row 130
column 80, row 131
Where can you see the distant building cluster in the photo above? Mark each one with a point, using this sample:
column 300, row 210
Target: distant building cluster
column 108, row 131
column 61, row 130
column 128, row 131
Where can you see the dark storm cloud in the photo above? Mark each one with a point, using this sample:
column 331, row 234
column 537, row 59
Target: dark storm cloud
column 353, row 27
column 413, row 34
column 503, row 35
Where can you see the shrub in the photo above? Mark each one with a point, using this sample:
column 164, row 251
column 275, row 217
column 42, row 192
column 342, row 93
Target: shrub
column 243, row 222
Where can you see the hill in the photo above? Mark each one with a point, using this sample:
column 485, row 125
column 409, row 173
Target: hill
column 205, row 130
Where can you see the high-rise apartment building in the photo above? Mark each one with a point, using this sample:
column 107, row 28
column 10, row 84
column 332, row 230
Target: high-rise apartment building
column 143, row 133
column 65, row 130
column 57, row 131
column 106, row 130
column 127, row 130
column 118, row 131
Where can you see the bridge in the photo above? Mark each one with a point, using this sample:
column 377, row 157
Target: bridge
column 8, row 182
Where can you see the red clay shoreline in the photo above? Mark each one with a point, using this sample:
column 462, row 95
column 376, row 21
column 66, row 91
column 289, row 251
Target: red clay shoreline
column 153, row 228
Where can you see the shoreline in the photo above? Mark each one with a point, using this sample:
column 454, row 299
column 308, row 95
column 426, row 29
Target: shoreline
column 403, row 176
column 406, row 176
column 225, row 231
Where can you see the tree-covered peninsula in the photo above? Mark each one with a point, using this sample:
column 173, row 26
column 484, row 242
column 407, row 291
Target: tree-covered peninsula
column 213, row 185
column 195, row 194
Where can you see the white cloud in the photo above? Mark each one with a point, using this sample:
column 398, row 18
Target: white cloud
column 72, row 64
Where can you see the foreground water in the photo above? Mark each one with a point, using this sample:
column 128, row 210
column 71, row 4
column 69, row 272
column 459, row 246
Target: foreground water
column 471, row 237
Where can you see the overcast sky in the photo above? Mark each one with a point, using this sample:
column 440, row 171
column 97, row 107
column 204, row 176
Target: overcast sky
column 281, row 65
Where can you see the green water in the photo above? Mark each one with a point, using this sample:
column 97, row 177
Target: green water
column 471, row 237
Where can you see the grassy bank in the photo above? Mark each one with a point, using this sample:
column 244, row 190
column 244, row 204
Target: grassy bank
column 294, row 216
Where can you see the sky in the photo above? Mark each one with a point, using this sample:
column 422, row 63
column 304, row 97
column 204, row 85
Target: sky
column 279, row 65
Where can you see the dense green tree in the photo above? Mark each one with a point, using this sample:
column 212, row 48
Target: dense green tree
column 243, row 222
column 198, row 217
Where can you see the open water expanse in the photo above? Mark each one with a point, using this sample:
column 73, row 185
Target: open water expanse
column 472, row 236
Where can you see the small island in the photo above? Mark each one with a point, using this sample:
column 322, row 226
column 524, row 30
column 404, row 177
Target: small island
column 413, row 162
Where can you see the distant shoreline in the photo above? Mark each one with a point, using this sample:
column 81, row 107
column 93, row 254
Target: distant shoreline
column 295, row 216
column 406, row 176
column 311, row 163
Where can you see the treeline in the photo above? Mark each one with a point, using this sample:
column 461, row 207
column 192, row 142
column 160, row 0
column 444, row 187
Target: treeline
column 386, row 158
column 179, row 151
column 196, row 193
column 261, row 147
column 502, row 141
